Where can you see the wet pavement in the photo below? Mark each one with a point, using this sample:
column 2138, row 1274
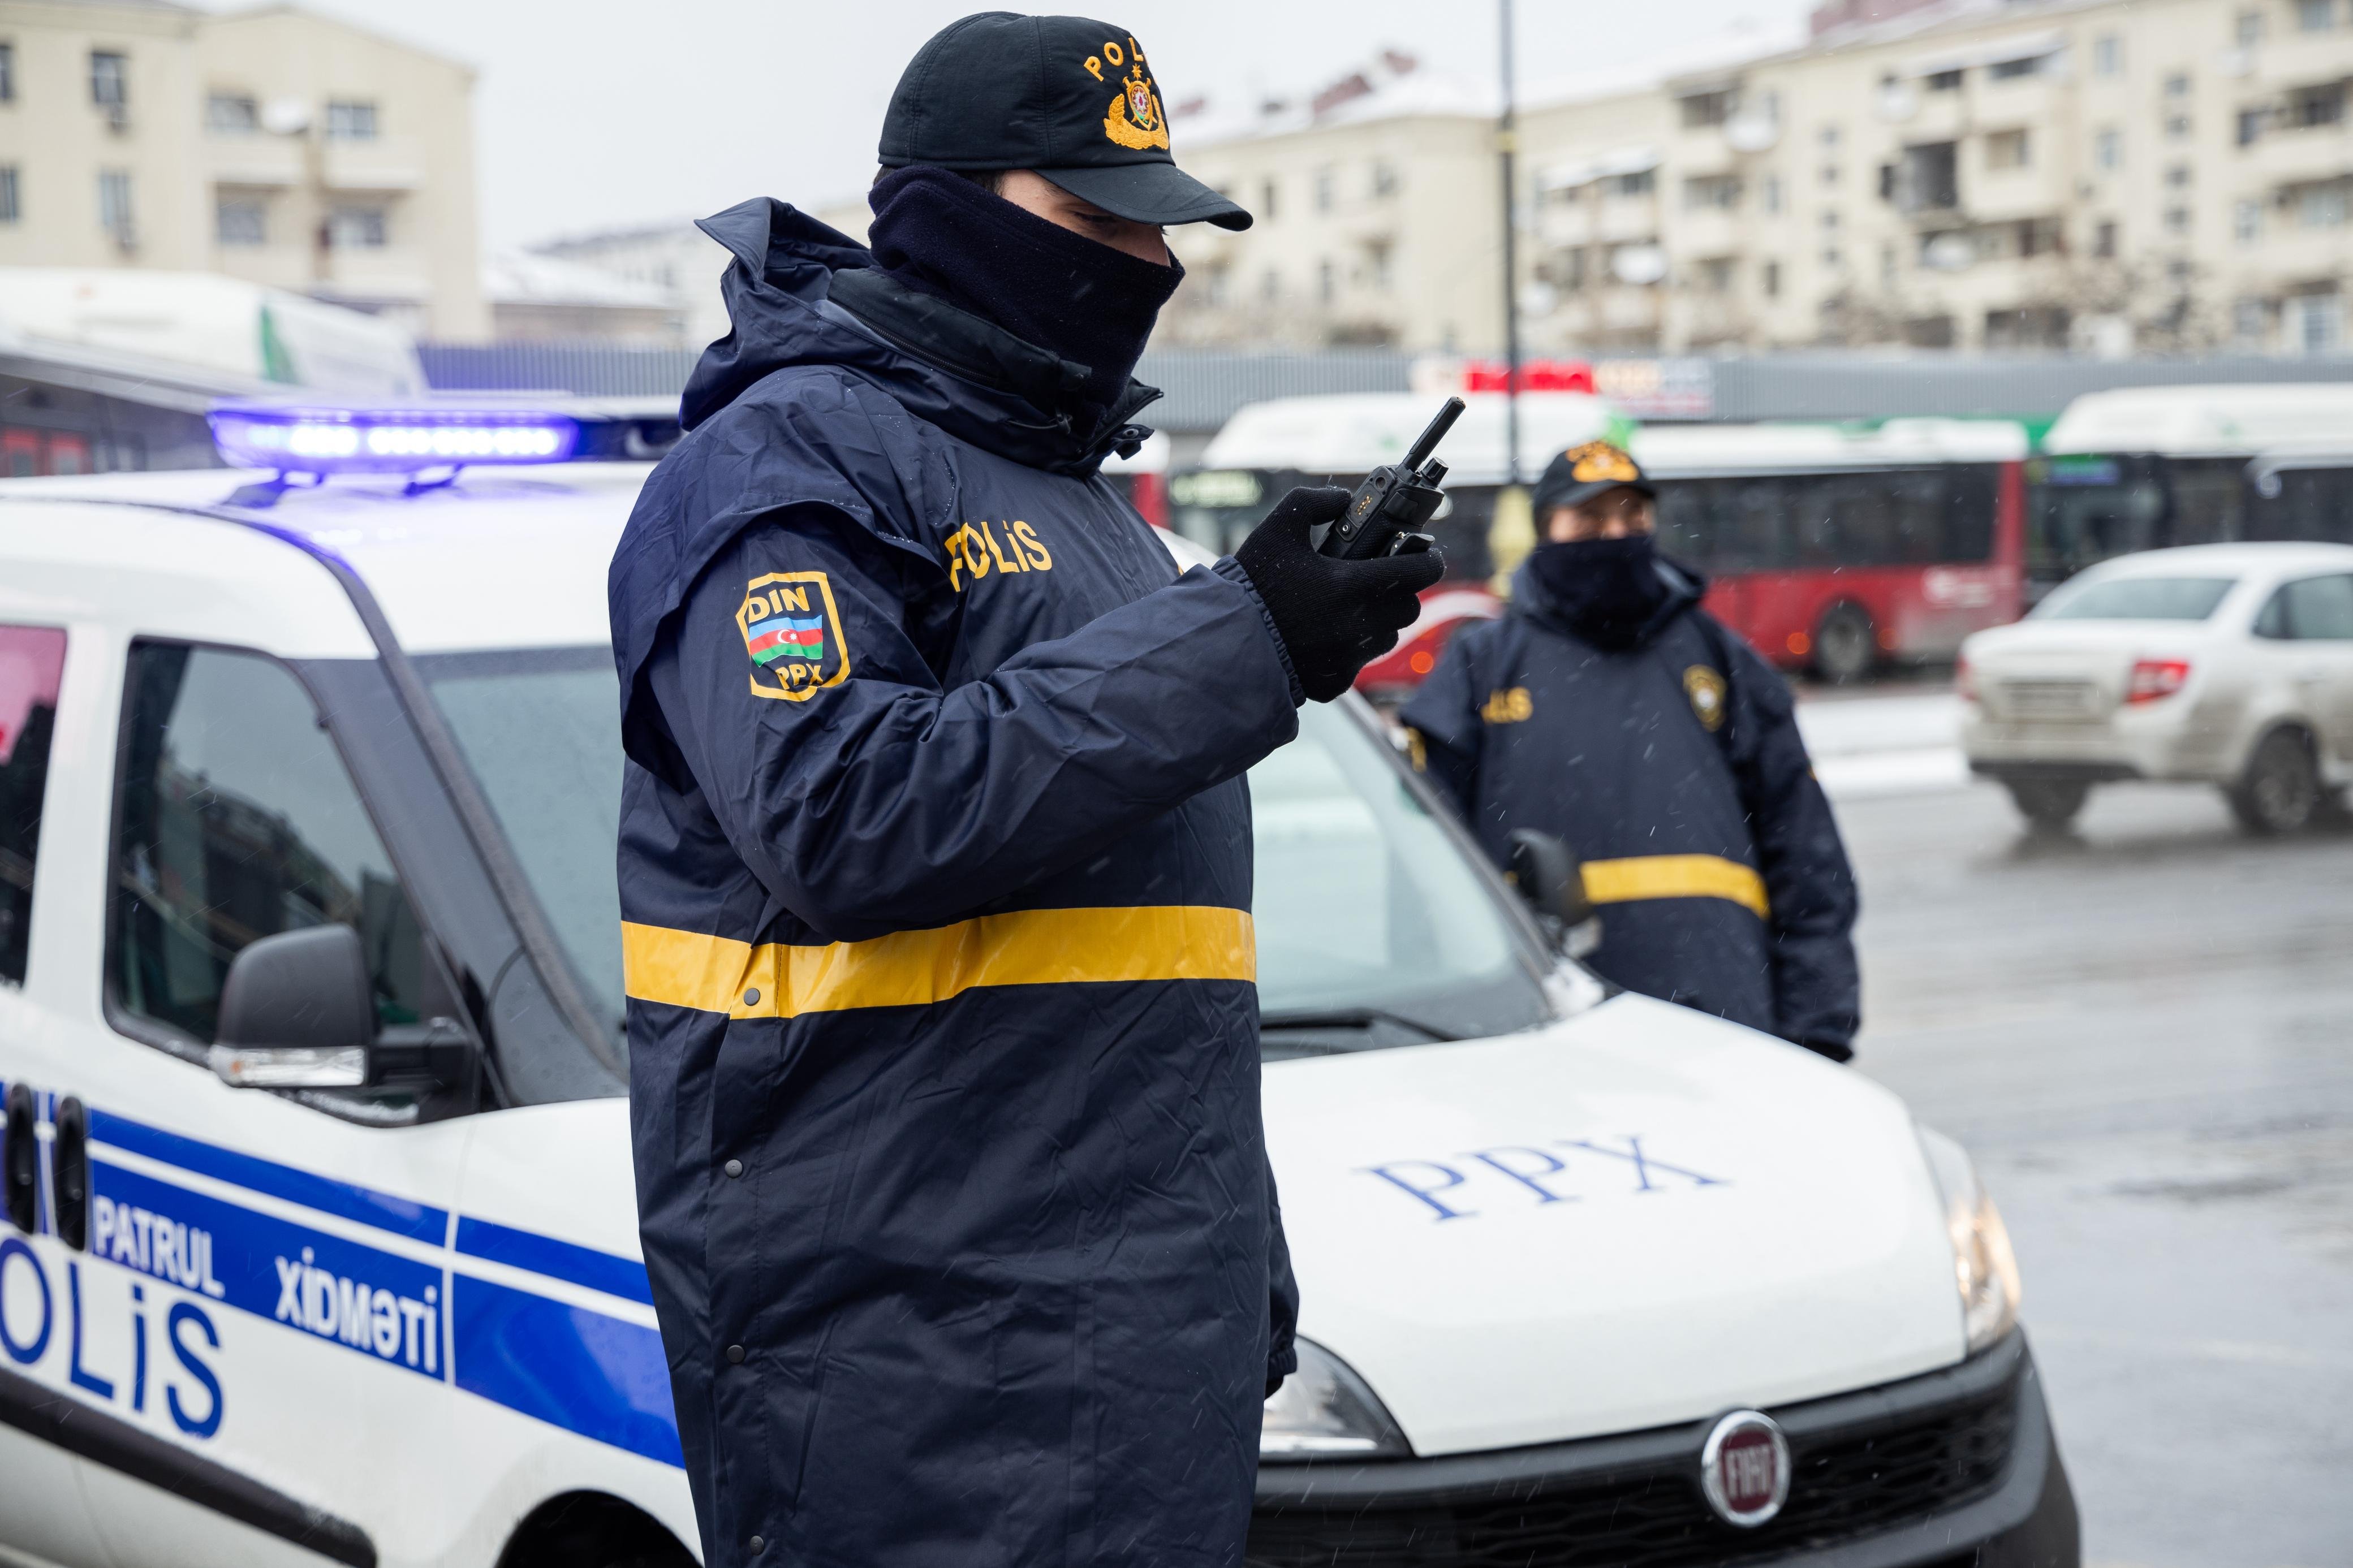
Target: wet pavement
column 2144, row 1031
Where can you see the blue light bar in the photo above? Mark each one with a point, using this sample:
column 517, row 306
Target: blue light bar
column 391, row 439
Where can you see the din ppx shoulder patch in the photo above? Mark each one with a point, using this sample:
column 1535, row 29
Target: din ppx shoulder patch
column 793, row 633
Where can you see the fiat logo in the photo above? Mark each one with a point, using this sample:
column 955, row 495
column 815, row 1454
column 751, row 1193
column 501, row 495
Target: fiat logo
column 1744, row 1468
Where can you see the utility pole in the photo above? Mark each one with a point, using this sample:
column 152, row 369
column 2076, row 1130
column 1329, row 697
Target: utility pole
column 1507, row 145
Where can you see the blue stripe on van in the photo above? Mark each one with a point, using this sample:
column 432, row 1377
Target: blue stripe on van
column 581, row 1370
column 622, row 1277
column 345, row 1200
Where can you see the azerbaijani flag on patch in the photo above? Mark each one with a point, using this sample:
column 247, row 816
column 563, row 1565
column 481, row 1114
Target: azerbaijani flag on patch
column 786, row 637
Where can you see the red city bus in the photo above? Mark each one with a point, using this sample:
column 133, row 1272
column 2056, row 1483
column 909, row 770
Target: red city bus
column 1837, row 549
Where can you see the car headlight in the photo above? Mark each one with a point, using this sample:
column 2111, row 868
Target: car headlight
column 1324, row 1411
column 1983, row 1264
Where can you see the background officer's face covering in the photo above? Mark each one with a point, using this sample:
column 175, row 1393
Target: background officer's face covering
column 1605, row 590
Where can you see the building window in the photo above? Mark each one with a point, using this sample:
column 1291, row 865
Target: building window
column 2309, row 107
column 1931, row 178
column 1772, row 280
column 356, row 228
column 1829, row 220
column 2108, row 54
column 1772, row 193
column 2040, row 237
column 1715, row 275
column 8, row 209
column 241, row 220
column 114, row 206
column 1385, row 178
column 1327, row 282
column 2318, row 322
column 2315, row 15
column 1327, row 189
column 1717, row 191
column 2247, row 222
column 2108, row 149
column 1639, row 185
column 2177, row 126
column 2321, row 206
column 2177, row 220
column 1830, row 174
column 1946, row 82
column 109, row 79
column 8, row 72
column 1270, row 286
column 2250, row 29
column 1266, row 204
column 351, row 121
column 2009, row 149
column 2249, row 322
column 2103, row 242
column 2251, row 126
column 2010, row 70
column 1830, row 256
column 1704, row 109
column 2177, row 86
column 234, row 112
column 1383, row 274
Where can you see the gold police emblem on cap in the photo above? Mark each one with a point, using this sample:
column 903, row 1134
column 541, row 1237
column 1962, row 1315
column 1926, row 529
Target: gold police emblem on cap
column 1705, row 687
column 1134, row 119
column 1599, row 460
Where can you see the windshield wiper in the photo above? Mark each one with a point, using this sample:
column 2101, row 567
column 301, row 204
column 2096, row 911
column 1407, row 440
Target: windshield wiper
column 1348, row 1018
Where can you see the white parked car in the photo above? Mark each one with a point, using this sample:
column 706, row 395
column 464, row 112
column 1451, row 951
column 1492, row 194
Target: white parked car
column 2220, row 664
column 1586, row 1278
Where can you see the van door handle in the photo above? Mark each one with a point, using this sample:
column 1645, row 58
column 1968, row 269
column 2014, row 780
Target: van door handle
column 20, row 1160
column 72, row 1172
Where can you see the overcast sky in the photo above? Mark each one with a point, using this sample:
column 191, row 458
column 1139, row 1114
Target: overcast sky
column 600, row 113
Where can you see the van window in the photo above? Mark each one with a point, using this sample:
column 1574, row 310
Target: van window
column 238, row 820
column 32, row 660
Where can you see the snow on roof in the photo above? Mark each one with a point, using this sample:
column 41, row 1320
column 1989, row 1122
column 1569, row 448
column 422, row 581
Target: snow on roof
column 1391, row 87
column 521, row 277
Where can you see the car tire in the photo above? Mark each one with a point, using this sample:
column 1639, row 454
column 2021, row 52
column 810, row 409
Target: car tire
column 1846, row 645
column 2281, row 790
column 2049, row 803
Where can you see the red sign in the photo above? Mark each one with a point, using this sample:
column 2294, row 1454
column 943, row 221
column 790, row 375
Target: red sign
column 1535, row 375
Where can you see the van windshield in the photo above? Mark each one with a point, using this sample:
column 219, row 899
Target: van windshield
column 1374, row 927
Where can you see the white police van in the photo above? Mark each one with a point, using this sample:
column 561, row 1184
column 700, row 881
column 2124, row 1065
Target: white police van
column 320, row 1241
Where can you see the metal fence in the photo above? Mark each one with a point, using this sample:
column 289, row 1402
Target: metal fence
column 1202, row 388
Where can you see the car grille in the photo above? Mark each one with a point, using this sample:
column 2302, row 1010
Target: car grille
column 2050, row 700
column 1844, row 1484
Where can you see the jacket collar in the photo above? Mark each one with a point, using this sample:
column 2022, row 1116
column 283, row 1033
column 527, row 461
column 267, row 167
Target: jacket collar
column 799, row 293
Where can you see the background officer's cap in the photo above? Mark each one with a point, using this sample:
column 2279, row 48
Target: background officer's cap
column 1580, row 474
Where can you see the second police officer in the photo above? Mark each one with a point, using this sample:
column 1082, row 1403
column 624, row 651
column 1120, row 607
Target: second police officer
column 1607, row 710
column 936, row 860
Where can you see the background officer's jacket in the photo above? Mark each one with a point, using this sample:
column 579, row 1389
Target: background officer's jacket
column 935, row 865
column 1676, row 770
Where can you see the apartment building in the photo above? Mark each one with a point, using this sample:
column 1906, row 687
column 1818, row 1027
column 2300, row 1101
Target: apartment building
column 2104, row 175
column 273, row 145
column 1375, row 204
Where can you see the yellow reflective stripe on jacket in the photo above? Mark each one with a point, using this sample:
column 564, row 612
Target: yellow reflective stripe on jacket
column 1675, row 877
column 914, row 968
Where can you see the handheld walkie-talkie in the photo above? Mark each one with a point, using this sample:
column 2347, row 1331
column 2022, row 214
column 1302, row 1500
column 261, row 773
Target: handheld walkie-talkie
column 1386, row 514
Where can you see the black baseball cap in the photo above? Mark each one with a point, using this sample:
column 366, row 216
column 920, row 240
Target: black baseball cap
column 1070, row 98
column 1580, row 474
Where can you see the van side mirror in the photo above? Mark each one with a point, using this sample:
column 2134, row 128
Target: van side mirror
column 1546, row 873
column 298, row 1011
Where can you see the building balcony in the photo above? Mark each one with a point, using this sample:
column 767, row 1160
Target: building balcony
column 2292, row 254
column 2291, row 58
column 1563, row 227
column 2004, row 195
column 1701, row 151
column 375, row 276
column 2299, row 157
column 1706, row 231
column 383, row 163
column 253, row 159
column 1630, row 219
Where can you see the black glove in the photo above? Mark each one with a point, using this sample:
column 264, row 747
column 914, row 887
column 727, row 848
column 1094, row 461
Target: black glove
column 1335, row 616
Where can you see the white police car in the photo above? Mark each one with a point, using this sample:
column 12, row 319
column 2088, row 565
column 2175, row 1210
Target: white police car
column 336, row 1258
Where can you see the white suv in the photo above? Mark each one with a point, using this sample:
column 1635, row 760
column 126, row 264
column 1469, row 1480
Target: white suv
column 1585, row 1277
column 2217, row 664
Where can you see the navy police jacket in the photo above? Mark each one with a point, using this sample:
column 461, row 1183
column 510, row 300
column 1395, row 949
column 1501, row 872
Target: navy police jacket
column 1675, row 770
column 936, row 876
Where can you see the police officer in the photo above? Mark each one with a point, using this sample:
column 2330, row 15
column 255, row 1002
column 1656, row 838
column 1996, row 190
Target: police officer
column 1608, row 708
column 936, row 860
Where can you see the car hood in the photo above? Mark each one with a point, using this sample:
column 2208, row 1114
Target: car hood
column 1732, row 1221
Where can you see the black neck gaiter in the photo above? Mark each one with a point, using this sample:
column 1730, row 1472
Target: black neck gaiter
column 1075, row 297
column 1606, row 591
